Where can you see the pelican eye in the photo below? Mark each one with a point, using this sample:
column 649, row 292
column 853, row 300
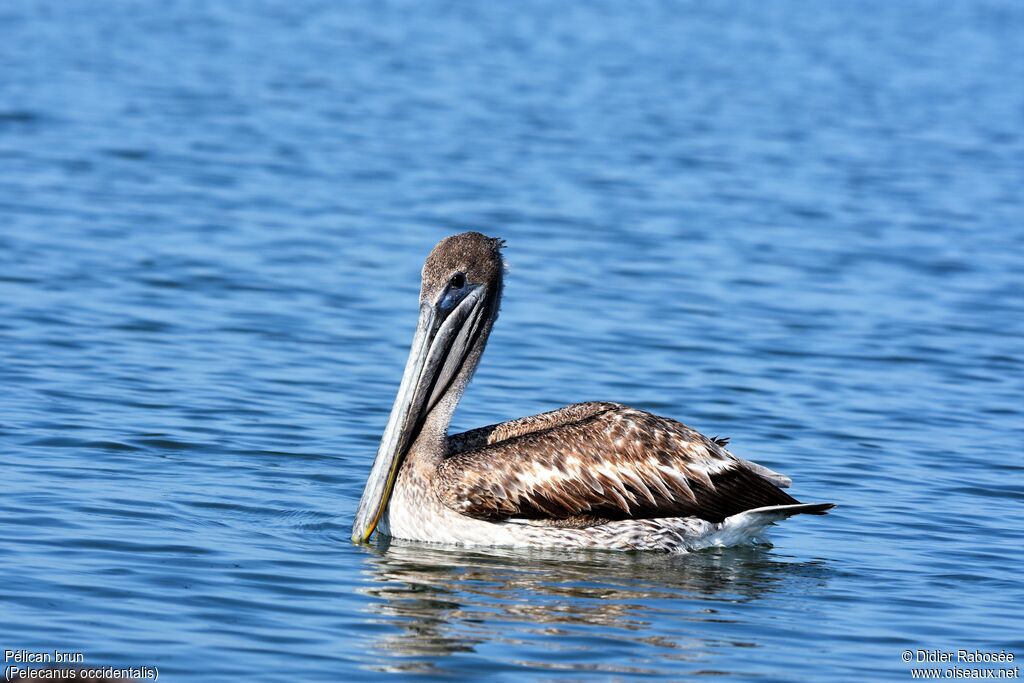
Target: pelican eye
column 458, row 281
column 457, row 290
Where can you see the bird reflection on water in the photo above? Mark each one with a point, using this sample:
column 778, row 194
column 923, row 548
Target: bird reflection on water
column 449, row 601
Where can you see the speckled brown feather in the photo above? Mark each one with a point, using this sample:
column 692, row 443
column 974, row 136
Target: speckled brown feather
column 600, row 461
column 485, row 436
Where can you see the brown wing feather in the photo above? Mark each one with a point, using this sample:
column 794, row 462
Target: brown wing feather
column 485, row 436
column 599, row 460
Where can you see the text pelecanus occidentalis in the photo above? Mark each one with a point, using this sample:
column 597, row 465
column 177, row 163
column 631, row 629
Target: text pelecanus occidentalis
column 598, row 475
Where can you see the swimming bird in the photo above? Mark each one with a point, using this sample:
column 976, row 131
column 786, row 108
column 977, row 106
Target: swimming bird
column 589, row 475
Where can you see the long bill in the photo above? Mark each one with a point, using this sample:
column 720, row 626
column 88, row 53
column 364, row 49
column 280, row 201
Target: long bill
column 440, row 346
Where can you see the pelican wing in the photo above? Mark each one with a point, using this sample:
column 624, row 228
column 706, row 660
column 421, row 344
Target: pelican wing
column 492, row 434
column 600, row 461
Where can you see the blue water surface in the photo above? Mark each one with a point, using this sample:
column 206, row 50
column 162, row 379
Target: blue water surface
column 800, row 225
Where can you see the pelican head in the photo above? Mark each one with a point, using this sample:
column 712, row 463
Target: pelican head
column 459, row 299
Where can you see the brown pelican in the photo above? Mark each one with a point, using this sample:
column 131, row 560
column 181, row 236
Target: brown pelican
column 599, row 475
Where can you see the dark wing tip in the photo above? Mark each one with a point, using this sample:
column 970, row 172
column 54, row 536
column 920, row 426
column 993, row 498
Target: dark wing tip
column 782, row 511
column 816, row 508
